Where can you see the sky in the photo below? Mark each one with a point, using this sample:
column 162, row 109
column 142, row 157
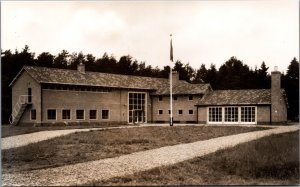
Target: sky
column 203, row 32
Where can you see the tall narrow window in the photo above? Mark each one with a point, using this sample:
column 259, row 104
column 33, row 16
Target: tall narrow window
column 93, row 114
column 29, row 95
column 215, row 114
column 51, row 114
column 248, row 114
column 137, row 107
column 231, row 114
column 33, row 114
column 66, row 114
column 79, row 114
column 105, row 114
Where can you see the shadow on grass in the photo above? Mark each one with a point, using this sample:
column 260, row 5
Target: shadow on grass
column 272, row 160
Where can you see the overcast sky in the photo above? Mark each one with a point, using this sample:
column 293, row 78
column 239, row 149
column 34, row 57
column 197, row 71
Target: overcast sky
column 203, row 31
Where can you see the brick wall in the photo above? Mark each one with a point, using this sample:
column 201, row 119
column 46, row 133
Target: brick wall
column 20, row 87
column 182, row 103
column 263, row 114
column 115, row 102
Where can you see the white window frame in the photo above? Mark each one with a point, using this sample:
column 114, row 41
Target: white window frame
column 146, row 106
column 96, row 114
column 223, row 116
column 83, row 114
column 250, row 123
column 215, row 122
column 108, row 114
column 231, row 122
column 55, row 114
column 31, row 115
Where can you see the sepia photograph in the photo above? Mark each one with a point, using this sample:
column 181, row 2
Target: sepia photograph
column 150, row 93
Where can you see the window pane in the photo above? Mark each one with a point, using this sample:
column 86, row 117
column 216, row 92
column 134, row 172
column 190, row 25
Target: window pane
column 105, row 114
column 93, row 114
column 33, row 114
column 66, row 114
column 79, row 114
column 215, row 114
column 51, row 114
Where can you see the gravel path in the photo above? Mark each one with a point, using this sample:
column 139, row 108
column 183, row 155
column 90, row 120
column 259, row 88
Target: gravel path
column 84, row 173
column 25, row 139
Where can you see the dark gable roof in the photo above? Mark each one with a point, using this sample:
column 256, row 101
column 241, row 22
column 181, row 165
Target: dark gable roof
column 74, row 77
column 236, row 97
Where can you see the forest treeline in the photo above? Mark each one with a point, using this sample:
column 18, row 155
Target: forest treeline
column 233, row 74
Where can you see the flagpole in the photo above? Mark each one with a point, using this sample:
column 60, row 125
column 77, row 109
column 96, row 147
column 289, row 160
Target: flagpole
column 171, row 60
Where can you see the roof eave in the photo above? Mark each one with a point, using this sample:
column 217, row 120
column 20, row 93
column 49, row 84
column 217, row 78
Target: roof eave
column 234, row 104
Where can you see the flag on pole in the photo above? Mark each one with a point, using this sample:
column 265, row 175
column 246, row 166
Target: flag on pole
column 171, row 51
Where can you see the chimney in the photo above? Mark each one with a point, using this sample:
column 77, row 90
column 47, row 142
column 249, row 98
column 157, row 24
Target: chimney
column 175, row 77
column 275, row 95
column 81, row 67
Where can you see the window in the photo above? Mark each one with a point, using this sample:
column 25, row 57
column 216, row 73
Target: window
column 105, row 114
column 215, row 114
column 137, row 107
column 191, row 111
column 175, row 98
column 66, row 114
column 169, row 111
column 160, row 112
column 33, row 114
column 160, row 98
column 51, row 114
column 231, row 114
column 79, row 114
column 93, row 114
column 179, row 112
column 248, row 114
column 190, row 97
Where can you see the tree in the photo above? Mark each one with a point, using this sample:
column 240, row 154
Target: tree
column 126, row 66
column 186, row 72
column 292, row 89
column 233, row 75
column 264, row 81
column 61, row 60
column 201, row 75
column 45, row 59
column 293, row 69
column 212, row 76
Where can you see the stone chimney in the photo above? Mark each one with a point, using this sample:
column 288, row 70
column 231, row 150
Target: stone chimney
column 81, row 67
column 175, row 77
column 275, row 95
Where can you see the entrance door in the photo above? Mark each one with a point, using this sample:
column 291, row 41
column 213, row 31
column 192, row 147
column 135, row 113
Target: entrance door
column 137, row 107
column 138, row 116
column 29, row 95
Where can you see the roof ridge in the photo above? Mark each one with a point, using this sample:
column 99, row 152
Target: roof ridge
column 95, row 72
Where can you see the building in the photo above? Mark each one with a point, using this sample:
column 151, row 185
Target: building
column 47, row 95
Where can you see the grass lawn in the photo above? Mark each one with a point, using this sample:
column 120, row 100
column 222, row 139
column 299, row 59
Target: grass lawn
column 8, row 130
column 98, row 144
column 272, row 160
